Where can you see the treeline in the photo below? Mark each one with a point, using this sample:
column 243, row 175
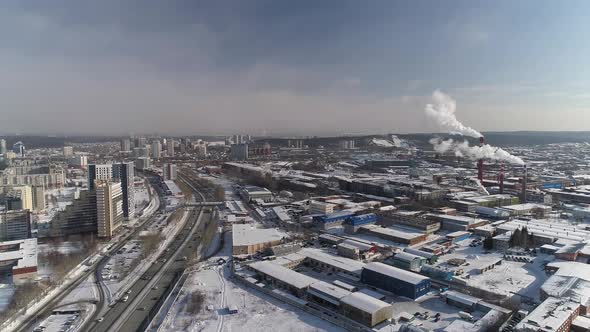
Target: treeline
column 522, row 238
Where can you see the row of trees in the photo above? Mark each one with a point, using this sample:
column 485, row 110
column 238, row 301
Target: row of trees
column 522, row 238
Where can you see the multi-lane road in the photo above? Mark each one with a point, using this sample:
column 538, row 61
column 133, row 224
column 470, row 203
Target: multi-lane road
column 133, row 310
column 142, row 300
column 50, row 304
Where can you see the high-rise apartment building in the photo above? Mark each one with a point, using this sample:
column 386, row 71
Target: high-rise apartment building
column 99, row 172
column 169, row 172
column 109, row 207
column 239, row 152
column 125, row 174
column 78, row 161
column 2, row 146
column 156, row 150
column 68, row 151
column 38, row 197
column 170, row 147
column 201, row 150
column 140, row 141
column 125, row 145
column 15, row 225
column 139, row 152
column 143, row 163
column 26, row 196
column 19, row 149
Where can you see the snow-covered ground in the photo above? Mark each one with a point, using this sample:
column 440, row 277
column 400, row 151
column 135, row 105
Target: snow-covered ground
column 432, row 304
column 522, row 278
column 60, row 323
column 142, row 197
column 256, row 311
column 6, row 293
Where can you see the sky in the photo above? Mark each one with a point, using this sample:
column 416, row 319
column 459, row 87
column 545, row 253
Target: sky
column 307, row 67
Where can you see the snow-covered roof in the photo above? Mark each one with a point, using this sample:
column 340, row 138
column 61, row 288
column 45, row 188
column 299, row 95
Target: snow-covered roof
column 364, row 302
column 550, row 315
column 407, row 257
column 283, row 274
column 345, row 264
column 244, row 235
column 393, row 232
column 583, row 322
column 328, row 292
column 409, row 277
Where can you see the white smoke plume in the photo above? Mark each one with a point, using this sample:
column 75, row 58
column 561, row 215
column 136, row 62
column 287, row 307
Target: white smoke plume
column 442, row 111
column 474, row 152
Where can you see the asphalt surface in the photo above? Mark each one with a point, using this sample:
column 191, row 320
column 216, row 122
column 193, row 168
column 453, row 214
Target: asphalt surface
column 147, row 294
column 47, row 309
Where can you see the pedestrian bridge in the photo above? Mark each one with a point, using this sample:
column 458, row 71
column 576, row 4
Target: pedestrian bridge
column 203, row 204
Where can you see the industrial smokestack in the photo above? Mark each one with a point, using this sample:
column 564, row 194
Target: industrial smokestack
column 524, row 184
column 501, row 178
column 480, row 161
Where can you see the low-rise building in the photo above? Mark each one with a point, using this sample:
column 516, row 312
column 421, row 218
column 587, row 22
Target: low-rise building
column 20, row 258
column 366, row 309
column 553, row 314
column 248, row 239
column 395, row 280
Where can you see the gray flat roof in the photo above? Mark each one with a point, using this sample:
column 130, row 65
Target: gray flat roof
column 364, row 302
column 409, row 277
column 283, row 274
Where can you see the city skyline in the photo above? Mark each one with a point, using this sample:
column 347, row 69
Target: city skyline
column 295, row 68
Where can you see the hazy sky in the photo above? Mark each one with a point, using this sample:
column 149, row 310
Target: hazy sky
column 298, row 67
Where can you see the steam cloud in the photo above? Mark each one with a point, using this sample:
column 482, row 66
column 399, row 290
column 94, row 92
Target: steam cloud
column 474, row 152
column 442, row 111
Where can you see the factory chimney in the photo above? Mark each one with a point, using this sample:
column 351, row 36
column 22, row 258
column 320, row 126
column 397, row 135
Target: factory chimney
column 480, row 162
column 524, row 184
column 501, row 178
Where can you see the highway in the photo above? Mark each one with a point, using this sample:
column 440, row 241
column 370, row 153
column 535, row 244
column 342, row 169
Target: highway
column 48, row 307
column 147, row 294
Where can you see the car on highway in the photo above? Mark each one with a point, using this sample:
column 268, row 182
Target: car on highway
column 100, row 319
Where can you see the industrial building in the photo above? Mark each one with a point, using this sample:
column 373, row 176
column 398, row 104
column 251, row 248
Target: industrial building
column 252, row 193
column 20, row 258
column 424, row 223
column 355, row 249
column 248, row 239
column 553, row 314
column 539, row 210
column 326, row 294
column 366, row 309
column 330, row 263
column 395, row 280
column 317, row 207
column 282, row 277
column 430, row 257
column 332, row 220
column 353, row 223
column 408, row 261
column 394, row 234
column 459, row 223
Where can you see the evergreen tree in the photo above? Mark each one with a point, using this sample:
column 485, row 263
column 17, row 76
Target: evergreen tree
column 488, row 243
